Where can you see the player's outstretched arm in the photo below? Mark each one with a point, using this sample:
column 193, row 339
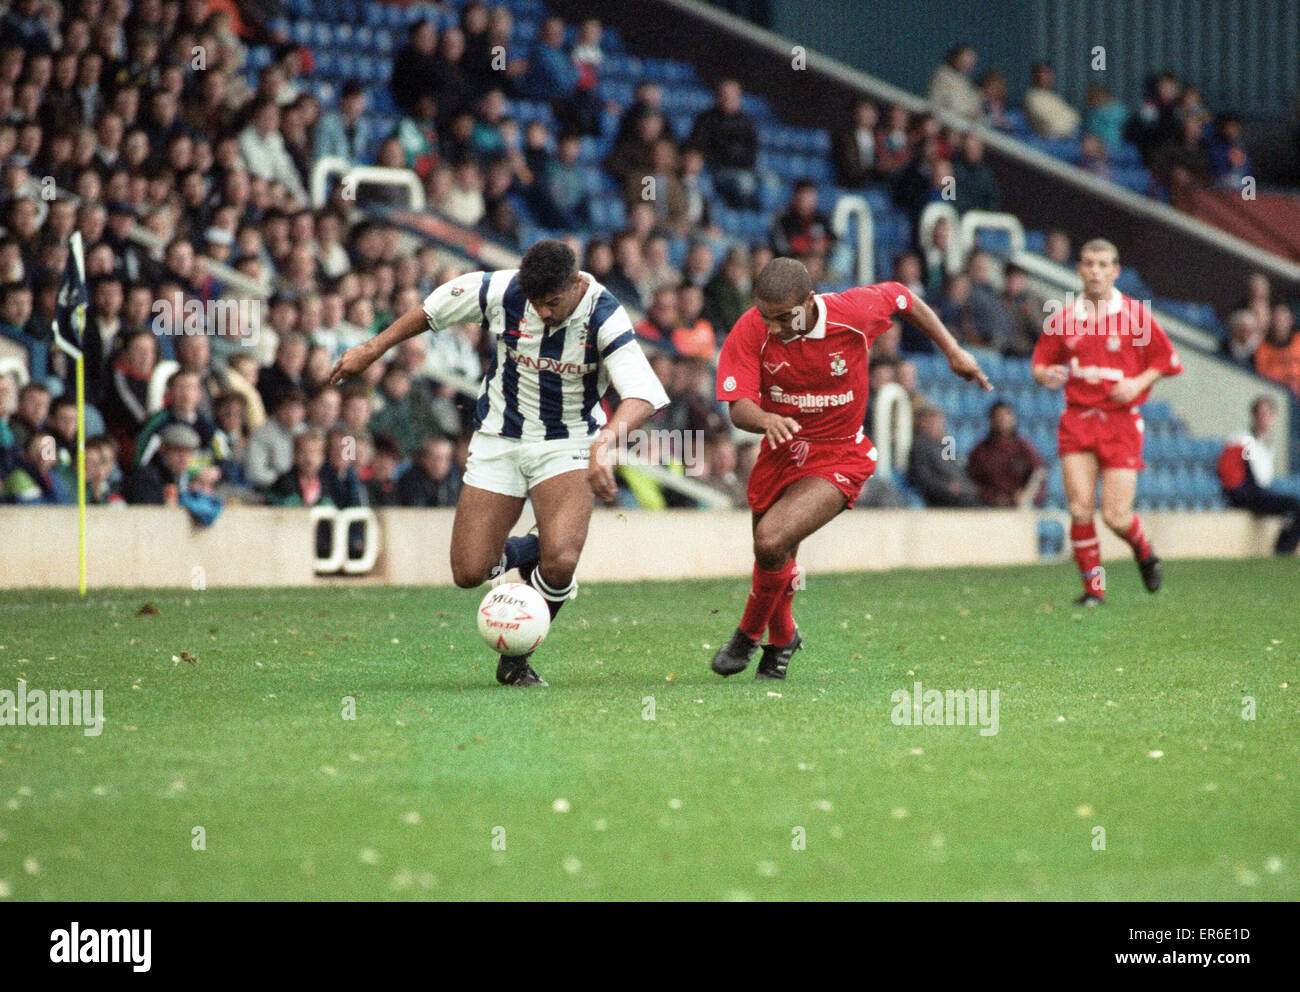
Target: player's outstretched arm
column 357, row 359
column 961, row 361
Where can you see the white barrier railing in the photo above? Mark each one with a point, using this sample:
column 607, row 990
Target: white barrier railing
column 893, row 440
column 846, row 209
column 953, row 257
column 16, row 367
column 363, row 515
column 973, row 221
column 339, row 558
column 355, row 175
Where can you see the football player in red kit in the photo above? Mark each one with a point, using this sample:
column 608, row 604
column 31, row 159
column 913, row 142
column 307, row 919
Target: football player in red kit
column 1107, row 351
column 794, row 369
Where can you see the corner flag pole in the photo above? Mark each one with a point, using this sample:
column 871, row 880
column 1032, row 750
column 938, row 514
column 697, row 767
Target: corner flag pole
column 69, row 321
column 81, row 473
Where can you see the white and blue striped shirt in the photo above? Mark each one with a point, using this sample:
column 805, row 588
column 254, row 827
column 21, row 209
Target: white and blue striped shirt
column 545, row 384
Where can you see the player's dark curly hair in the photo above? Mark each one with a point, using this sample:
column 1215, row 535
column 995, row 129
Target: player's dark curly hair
column 548, row 267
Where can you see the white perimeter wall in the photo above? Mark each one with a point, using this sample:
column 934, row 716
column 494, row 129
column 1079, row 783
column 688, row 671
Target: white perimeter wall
column 248, row 546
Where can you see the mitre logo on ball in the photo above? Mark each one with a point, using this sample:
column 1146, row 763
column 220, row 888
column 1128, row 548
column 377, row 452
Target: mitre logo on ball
column 513, row 618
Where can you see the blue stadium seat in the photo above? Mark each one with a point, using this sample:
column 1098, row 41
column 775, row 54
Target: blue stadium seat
column 1135, row 178
column 1016, row 121
column 1056, row 487
column 1157, row 411
column 993, row 240
column 1126, row 154
column 965, row 438
column 756, row 106
column 1130, row 284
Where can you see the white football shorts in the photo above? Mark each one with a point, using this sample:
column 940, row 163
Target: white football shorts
column 511, row 467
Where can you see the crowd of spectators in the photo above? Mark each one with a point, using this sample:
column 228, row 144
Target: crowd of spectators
column 137, row 125
column 1002, row 470
column 1185, row 145
column 1262, row 335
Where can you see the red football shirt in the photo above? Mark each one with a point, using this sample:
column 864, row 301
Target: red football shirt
column 819, row 378
column 1124, row 343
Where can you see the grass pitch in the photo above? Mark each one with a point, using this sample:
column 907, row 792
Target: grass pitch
column 447, row 786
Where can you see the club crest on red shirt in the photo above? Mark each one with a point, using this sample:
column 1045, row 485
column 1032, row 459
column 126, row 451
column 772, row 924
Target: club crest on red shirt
column 838, row 365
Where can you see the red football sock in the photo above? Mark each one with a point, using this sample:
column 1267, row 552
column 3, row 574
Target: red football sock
column 1087, row 555
column 766, row 589
column 1137, row 539
column 780, row 628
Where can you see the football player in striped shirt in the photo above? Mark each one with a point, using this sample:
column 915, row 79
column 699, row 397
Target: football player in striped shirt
column 562, row 340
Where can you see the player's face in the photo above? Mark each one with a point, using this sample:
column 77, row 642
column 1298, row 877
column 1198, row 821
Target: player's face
column 1098, row 270
column 786, row 321
column 556, row 308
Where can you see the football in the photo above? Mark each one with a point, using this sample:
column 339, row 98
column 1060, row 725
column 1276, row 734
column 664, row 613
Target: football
column 513, row 618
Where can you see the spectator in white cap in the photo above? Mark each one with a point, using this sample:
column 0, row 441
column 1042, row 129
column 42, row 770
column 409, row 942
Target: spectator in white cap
column 161, row 481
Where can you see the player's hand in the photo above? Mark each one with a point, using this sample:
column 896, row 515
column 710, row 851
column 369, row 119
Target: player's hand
column 964, row 366
column 1126, row 391
column 600, row 470
column 778, row 429
column 1055, row 376
column 352, row 362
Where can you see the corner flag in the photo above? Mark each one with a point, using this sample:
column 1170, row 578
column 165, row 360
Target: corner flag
column 70, row 311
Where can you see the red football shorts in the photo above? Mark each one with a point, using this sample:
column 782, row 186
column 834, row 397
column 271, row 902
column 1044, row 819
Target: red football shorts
column 846, row 465
column 1114, row 436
